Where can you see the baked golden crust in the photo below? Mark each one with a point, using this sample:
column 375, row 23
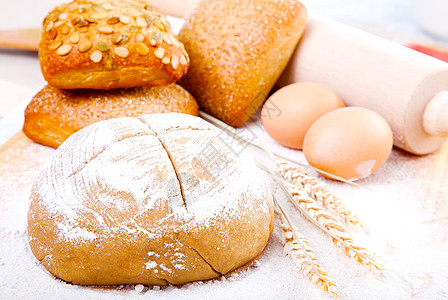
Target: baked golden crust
column 238, row 49
column 54, row 114
column 99, row 44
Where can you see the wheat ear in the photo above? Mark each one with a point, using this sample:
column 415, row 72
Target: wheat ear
column 318, row 190
column 311, row 210
column 340, row 235
column 297, row 248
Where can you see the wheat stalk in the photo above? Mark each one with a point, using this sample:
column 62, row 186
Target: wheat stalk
column 315, row 213
column 340, row 235
column 311, row 210
column 297, row 248
column 318, row 190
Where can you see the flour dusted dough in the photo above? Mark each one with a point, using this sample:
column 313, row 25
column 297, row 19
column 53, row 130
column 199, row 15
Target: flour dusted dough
column 164, row 198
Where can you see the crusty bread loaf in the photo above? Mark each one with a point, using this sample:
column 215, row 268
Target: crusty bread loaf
column 54, row 114
column 141, row 200
column 99, row 44
column 238, row 48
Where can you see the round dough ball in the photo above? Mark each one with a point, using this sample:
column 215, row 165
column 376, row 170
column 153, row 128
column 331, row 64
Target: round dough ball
column 350, row 142
column 159, row 199
column 288, row 113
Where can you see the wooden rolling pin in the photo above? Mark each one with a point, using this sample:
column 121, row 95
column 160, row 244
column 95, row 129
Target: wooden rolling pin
column 409, row 89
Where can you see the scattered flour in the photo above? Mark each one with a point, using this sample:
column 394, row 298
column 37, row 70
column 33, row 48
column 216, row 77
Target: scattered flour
column 75, row 233
column 365, row 168
column 150, row 265
column 139, row 288
column 406, row 216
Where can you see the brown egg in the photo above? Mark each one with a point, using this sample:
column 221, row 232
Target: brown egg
column 350, row 142
column 288, row 113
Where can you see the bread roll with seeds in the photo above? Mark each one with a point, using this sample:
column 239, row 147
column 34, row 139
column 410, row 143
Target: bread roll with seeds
column 238, row 48
column 54, row 114
column 140, row 201
column 99, row 44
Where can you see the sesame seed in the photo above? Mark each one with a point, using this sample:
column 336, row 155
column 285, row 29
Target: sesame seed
column 74, row 37
column 91, row 19
column 65, row 29
column 140, row 37
column 59, row 23
column 64, row 49
column 116, row 38
column 84, row 46
column 141, row 22
column 124, row 39
column 183, row 60
column 159, row 53
column 113, row 20
column 166, row 60
column 96, row 56
column 175, row 62
column 54, row 45
column 167, row 40
column 148, row 19
column 156, row 38
column 141, row 49
column 105, row 30
column 99, row 15
column 121, row 51
column 49, row 26
column 125, row 19
column 98, row 8
column 52, row 33
column 81, row 23
column 173, row 40
column 159, row 25
column 102, row 46
column 136, row 29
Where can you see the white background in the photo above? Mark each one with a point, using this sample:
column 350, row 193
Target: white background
column 394, row 212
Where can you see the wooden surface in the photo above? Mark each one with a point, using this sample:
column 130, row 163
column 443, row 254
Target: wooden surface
column 28, row 39
column 22, row 39
column 18, row 155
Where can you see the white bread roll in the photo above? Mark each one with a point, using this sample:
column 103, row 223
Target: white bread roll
column 137, row 200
